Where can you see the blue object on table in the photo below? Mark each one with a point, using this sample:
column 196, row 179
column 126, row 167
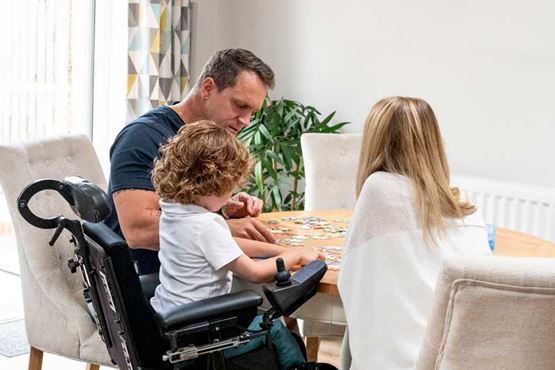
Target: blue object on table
column 491, row 236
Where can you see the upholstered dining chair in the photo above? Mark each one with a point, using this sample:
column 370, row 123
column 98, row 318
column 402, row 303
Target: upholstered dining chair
column 492, row 313
column 331, row 162
column 56, row 318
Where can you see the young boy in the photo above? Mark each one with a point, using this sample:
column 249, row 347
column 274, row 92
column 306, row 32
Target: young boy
column 194, row 176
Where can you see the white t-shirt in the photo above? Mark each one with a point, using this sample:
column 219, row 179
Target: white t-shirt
column 389, row 273
column 194, row 246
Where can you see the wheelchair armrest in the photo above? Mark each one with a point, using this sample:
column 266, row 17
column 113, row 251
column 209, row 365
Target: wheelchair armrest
column 208, row 309
column 286, row 298
column 149, row 282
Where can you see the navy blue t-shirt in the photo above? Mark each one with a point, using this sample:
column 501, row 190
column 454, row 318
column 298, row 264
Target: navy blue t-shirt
column 131, row 161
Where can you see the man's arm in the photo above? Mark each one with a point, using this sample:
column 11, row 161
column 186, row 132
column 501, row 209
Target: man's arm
column 139, row 217
column 254, row 248
column 250, row 228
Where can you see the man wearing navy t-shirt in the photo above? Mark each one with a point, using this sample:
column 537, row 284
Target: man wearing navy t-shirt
column 231, row 87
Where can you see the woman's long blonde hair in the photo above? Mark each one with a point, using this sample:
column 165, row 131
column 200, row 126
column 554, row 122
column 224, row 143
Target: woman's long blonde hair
column 401, row 136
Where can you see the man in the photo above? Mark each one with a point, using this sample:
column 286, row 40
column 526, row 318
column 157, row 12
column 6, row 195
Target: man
column 231, row 87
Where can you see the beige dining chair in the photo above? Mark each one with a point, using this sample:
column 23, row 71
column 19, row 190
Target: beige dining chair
column 491, row 314
column 56, row 319
column 330, row 162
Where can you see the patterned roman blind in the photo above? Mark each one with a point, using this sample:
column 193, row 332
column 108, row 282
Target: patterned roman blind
column 158, row 54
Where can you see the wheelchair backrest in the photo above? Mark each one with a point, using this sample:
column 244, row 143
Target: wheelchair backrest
column 132, row 336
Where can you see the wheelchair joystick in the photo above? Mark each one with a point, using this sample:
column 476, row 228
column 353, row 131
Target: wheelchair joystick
column 283, row 277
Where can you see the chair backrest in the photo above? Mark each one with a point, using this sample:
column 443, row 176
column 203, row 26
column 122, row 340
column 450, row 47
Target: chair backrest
column 331, row 162
column 492, row 313
column 56, row 318
column 133, row 337
column 522, row 207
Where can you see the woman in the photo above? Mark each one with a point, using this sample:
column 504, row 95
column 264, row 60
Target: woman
column 406, row 222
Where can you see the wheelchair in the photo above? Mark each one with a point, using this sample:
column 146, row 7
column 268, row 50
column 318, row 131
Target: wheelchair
column 190, row 336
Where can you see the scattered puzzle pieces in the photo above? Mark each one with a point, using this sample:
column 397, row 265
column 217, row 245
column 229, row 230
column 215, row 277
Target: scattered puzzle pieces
column 311, row 228
column 333, row 256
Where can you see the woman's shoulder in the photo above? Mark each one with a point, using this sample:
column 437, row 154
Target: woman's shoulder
column 384, row 206
column 384, row 185
column 382, row 179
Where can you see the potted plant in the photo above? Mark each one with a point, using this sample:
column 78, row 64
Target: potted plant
column 274, row 140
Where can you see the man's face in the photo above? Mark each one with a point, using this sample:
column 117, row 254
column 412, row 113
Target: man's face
column 233, row 106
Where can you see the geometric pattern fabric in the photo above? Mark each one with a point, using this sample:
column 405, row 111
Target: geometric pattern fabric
column 158, row 54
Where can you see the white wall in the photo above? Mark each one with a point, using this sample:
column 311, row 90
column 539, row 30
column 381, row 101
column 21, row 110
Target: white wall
column 486, row 67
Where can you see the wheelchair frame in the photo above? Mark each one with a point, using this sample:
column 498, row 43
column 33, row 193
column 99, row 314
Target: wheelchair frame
column 116, row 299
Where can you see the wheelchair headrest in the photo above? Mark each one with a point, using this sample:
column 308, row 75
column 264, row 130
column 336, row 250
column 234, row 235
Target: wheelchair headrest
column 90, row 202
column 86, row 199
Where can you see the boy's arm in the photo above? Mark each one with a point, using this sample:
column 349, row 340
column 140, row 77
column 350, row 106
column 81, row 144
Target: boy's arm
column 255, row 248
column 261, row 271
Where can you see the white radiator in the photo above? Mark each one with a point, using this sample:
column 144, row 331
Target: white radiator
column 522, row 207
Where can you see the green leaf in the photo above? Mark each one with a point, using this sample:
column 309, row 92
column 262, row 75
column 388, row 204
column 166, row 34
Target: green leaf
column 327, row 120
column 287, row 155
column 257, row 138
column 275, row 156
column 276, row 196
column 264, row 131
column 335, row 128
column 258, row 177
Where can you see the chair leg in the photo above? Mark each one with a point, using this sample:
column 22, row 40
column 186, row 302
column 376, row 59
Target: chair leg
column 35, row 359
column 292, row 324
column 92, row 367
column 312, row 347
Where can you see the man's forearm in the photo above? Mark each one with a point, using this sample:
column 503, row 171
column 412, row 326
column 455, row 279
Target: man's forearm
column 143, row 233
column 254, row 248
column 139, row 217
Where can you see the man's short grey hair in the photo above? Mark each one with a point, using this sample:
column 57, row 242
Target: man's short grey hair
column 225, row 65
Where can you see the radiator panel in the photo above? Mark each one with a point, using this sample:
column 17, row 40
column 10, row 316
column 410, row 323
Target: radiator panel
column 522, row 207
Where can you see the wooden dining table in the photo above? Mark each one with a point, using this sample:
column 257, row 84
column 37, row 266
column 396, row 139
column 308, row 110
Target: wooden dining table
column 287, row 225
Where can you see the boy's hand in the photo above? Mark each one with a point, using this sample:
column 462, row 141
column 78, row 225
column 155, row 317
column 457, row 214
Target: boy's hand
column 242, row 205
column 308, row 255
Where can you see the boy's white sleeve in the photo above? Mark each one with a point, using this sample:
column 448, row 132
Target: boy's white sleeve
column 218, row 245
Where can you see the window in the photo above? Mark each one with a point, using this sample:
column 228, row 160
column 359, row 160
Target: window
column 45, row 72
column 46, row 69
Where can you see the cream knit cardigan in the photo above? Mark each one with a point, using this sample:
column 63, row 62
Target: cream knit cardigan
column 389, row 273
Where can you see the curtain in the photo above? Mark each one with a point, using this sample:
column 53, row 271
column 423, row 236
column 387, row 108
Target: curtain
column 158, row 54
column 45, row 69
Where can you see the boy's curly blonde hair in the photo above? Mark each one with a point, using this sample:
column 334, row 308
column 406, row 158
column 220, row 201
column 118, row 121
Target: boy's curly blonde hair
column 202, row 159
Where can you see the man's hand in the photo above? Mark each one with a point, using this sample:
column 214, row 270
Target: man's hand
column 242, row 205
column 249, row 228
